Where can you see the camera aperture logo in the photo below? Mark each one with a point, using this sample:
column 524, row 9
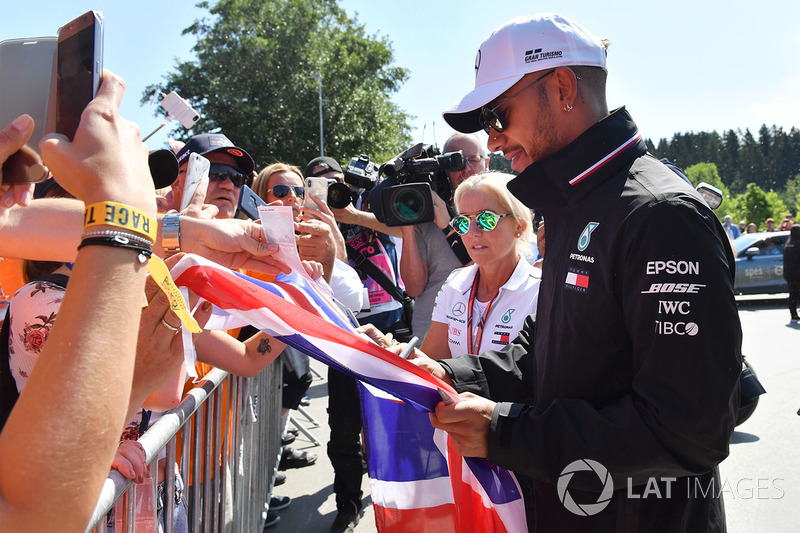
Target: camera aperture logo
column 586, row 509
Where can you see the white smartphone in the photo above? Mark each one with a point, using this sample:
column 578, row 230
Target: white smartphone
column 197, row 170
column 319, row 188
column 179, row 109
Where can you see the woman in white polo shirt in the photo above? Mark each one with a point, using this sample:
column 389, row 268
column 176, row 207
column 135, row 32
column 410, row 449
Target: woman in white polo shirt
column 482, row 307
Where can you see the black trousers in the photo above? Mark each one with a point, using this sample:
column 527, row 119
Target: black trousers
column 794, row 297
column 344, row 446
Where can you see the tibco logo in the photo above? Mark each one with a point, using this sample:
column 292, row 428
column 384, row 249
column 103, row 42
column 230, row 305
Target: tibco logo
column 676, row 328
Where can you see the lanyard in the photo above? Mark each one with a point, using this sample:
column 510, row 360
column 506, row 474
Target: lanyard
column 473, row 348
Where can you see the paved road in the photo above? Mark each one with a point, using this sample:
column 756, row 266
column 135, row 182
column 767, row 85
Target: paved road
column 761, row 478
column 764, row 450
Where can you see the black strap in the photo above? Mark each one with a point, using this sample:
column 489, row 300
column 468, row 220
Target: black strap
column 366, row 268
column 8, row 386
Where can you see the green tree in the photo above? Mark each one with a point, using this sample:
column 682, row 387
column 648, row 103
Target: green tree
column 791, row 194
column 756, row 205
column 252, row 80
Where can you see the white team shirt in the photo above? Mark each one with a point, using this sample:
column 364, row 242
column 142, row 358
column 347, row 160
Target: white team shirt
column 516, row 300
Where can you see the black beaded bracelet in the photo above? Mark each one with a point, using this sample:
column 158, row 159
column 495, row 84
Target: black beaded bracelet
column 119, row 241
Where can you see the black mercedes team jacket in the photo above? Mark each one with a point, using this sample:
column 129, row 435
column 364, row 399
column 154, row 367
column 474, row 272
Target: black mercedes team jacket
column 632, row 366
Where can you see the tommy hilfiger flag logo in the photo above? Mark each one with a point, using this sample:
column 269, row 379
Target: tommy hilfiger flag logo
column 577, row 280
column 501, row 337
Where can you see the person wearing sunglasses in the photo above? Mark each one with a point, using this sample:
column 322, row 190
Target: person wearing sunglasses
column 495, row 228
column 231, row 167
column 281, row 184
column 634, row 357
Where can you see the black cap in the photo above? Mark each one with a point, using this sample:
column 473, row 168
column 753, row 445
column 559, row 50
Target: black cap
column 325, row 164
column 206, row 143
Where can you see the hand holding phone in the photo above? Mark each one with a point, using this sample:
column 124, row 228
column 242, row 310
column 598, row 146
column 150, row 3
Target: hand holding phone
column 249, row 202
column 12, row 141
column 26, row 73
column 197, row 170
column 317, row 187
column 79, row 69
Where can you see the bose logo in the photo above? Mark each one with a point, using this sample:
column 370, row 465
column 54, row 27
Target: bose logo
column 673, row 267
column 670, row 308
column 688, row 288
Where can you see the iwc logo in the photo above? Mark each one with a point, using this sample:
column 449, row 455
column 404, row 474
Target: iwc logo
column 585, row 509
column 586, row 235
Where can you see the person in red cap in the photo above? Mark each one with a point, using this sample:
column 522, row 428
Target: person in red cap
column 631, row 379
column 770, row 224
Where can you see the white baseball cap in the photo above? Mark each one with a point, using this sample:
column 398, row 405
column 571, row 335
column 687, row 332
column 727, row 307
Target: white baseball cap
column 521, row 46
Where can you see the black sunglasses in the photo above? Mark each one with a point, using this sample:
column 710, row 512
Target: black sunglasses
column 220, row 172
column 281, row 189
column 491, row 119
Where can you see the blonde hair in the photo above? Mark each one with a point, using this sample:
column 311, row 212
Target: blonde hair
column 262, row 180
column 495, row 184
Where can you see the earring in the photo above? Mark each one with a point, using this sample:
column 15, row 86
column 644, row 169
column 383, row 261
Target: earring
column 567, row 108
column 518, row 235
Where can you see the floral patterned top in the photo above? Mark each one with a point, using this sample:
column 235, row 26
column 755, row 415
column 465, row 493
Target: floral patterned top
column 34, row 309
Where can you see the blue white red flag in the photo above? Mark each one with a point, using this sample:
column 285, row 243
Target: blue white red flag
column 443, row 492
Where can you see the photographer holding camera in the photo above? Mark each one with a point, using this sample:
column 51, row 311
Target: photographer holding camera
column 372, row 253
column 428, row 256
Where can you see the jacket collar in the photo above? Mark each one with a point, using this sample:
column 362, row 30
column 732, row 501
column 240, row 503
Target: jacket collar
column 563, row 178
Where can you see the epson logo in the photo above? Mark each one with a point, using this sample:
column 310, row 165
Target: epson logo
column 687, row 288
column 670, row 308
column 676, row 328
column 673, row 267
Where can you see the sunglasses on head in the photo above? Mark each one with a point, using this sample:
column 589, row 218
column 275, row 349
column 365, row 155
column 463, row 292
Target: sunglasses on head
column 280, row 190
column 486, row 221
column 220, row 172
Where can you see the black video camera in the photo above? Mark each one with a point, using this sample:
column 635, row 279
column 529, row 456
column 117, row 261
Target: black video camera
column 404, row 198
column 360, row 173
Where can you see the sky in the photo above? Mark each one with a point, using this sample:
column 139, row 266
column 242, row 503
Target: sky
column 679, row 66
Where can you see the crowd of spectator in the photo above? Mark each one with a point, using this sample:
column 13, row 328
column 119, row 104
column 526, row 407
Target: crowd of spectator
column 93, row 367
column 331, row 242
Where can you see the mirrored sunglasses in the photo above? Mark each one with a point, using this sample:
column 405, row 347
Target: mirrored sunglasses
column 486, row 221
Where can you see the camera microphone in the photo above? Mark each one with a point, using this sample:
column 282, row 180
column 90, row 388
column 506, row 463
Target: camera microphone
column 163, row 167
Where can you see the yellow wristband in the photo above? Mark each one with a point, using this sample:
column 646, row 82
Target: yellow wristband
column 121, row 216
column 160, row 273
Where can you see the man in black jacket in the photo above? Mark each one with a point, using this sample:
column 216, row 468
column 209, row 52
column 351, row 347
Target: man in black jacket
column 614, row 408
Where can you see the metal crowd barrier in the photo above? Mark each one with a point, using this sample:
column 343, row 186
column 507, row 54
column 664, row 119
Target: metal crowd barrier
column 238, row 461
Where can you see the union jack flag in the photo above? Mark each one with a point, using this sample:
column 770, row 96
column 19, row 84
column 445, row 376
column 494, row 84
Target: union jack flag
column 440, row 491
